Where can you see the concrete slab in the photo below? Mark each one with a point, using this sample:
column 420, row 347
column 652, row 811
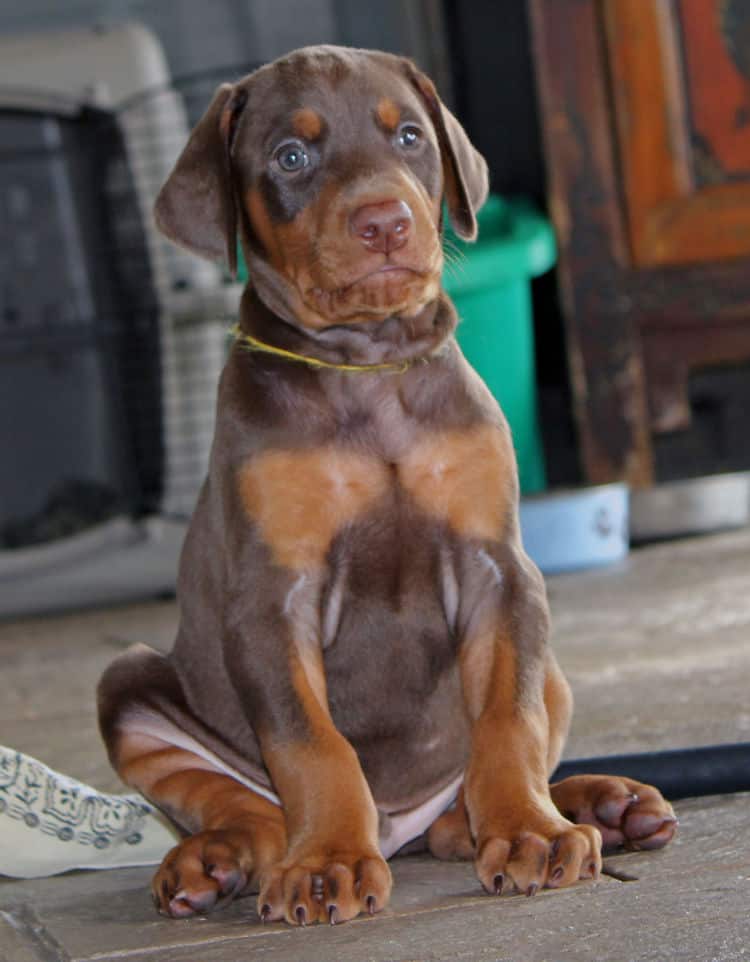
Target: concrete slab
column 686, row 903
column 657, row 649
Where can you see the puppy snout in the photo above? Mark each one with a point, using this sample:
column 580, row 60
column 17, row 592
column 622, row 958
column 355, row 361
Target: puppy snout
column 382, row 227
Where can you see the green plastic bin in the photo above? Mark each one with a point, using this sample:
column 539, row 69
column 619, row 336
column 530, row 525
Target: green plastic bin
column 491, row 289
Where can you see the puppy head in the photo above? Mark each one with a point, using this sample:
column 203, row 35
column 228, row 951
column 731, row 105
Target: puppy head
column 333, row 164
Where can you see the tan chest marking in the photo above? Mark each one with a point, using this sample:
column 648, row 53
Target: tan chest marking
column 463, row 478
column 301, row 499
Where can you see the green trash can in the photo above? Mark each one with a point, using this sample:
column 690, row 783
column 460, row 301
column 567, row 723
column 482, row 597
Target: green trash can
column 491, row 289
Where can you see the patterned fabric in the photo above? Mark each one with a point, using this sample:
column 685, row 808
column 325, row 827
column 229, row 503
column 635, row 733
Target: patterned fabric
column 50, row 823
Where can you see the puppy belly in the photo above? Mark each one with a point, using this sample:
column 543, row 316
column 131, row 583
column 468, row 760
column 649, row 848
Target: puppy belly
column 396, row 828
column 400, row 828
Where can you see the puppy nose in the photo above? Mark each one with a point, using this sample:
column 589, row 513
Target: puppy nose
column 382, row 227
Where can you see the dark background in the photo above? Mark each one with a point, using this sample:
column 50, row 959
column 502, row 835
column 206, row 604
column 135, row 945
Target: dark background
column 479, row 52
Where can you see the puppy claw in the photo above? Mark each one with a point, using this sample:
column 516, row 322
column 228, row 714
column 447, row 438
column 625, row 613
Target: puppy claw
column 317, row 886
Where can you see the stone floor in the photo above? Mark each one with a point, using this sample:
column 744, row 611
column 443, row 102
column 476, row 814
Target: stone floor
column 658, row 653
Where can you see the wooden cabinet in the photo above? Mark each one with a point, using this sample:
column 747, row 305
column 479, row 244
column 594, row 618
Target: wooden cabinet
column 645, row 108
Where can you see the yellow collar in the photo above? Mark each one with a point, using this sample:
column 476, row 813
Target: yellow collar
column 253, row 344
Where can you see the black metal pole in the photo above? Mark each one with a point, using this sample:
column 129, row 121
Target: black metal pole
column 678, row 773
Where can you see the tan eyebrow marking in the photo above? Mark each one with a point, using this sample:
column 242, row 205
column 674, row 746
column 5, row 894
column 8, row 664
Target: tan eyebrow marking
column 307, row 123
column 388, row 113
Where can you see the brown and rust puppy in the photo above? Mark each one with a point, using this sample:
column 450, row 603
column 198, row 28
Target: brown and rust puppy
column 361, row 656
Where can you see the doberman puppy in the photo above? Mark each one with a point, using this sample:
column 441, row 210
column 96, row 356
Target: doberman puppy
column 361, row 657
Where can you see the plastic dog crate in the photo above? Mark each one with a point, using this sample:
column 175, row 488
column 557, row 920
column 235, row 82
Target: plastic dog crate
column 78, row 328
column 107, row 405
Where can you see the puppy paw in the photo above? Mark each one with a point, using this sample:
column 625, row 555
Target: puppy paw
column 628, row 814
column 554, row 854
column 327, row 886
column 203, row 872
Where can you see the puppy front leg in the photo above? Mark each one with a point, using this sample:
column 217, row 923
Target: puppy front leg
column 333, row 869
column 522, row 841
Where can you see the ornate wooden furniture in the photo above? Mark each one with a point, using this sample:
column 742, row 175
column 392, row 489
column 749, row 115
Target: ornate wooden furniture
column 645, row 108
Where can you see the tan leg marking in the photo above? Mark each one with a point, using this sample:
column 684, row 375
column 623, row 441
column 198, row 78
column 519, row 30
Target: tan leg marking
column 450, row 837
column 558, row 700
column 521, row 839
column 627, row 813
column 333, row 868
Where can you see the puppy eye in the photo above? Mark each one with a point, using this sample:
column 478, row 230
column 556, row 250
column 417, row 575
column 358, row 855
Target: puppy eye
column 409, row 136
column 292, row 157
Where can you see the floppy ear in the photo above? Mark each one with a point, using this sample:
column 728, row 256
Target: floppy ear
column 196, row 207
column 464, row 168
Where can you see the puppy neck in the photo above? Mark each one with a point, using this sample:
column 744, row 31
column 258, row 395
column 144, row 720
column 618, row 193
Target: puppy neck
column 393, row 340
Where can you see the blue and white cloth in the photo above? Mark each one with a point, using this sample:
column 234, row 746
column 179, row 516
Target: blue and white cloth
column 50, row 823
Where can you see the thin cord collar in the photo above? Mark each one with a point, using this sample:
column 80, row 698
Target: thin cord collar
column 253, row 344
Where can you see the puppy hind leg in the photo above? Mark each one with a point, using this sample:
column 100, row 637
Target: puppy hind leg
column 239, row 834
column 449, row 837
column 558, row 702
column 627, row 813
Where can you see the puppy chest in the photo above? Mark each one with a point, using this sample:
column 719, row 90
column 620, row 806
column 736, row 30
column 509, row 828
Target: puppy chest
column 301, row 500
